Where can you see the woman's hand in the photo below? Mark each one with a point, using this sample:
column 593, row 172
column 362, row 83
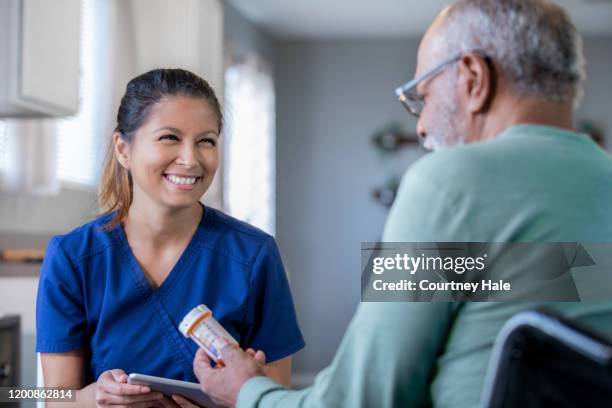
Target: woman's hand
column 183, row 402
column 112, row 390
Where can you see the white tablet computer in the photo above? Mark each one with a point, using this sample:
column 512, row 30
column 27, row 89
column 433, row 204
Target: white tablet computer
column 167, row 386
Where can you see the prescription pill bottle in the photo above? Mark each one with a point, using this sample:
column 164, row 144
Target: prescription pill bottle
column 200, row 325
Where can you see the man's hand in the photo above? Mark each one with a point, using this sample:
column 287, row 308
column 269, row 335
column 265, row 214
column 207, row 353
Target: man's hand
column 223, row 383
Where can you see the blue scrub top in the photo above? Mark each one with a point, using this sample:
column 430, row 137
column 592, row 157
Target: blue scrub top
column 94, row 295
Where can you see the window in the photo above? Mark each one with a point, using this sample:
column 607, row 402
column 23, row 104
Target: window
column 78, row 150
column 250, row 163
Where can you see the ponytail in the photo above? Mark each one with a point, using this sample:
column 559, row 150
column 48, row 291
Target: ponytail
column 115, row 192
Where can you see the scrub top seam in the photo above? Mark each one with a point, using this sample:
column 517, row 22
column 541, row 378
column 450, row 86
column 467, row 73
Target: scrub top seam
column 79, row 276
column 251, row 309
column 248, row 263
column 83, row 258
column 78, row 234
column 65, row 254
column 171, row 333
column 235, row 226
column 59, row 346
column 137, row 273
column 219, row 223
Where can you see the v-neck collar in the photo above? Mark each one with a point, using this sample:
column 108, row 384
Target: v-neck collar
column 183, row 263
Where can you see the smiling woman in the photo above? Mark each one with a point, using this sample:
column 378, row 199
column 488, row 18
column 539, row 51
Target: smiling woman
column 112, row 292
column 175, row 150
column 179, row 119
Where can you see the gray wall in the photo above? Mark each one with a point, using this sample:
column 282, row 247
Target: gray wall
column 597, row 103
column 331, row 97
column 244, row 37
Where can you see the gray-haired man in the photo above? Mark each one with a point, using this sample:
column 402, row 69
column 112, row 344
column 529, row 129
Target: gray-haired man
column 498, row 81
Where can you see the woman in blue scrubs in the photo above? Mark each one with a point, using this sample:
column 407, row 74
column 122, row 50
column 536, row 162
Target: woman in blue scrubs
column 113, row 292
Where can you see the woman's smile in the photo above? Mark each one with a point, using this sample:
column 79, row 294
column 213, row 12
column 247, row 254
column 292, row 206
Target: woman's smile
column 182, row 182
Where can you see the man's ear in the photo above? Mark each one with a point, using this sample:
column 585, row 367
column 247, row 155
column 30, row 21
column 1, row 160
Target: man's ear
column 478, row 82
column 122, row 150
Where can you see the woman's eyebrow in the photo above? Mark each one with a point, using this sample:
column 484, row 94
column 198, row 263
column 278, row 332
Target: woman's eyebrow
column 171, row 129
column 179, row 132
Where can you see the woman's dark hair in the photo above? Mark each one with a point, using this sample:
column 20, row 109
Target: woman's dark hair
column 141, row 95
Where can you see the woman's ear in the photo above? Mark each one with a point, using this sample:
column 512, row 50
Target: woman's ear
column 479, row 82
column 122, row 150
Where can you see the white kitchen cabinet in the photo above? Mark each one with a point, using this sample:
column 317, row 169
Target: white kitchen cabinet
column 39, row 57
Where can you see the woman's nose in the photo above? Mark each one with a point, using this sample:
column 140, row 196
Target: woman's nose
column 187, row 156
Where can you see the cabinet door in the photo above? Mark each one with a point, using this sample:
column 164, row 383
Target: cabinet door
column 50, row 54
column 39, row 57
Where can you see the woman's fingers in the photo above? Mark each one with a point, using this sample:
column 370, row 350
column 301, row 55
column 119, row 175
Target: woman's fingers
column 114, row 382
column 183, row 402
column 146, row 399
column 112, row 390
column 115, row 388
column 118, row 375
column 166, row 402
column 147, row 404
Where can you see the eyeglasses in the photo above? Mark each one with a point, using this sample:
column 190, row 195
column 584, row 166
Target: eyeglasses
column 408, row 95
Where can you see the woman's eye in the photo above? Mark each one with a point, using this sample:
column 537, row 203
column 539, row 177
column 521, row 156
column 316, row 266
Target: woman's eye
column 168, row 137
column 209, row 141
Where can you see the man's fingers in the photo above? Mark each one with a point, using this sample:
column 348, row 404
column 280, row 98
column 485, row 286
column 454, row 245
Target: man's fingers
column 201, row 356
column 230, row 352
column 260, row 356
column 257, row 355
column 201, row 365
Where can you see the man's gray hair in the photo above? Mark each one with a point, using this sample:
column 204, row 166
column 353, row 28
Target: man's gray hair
column 533, row 42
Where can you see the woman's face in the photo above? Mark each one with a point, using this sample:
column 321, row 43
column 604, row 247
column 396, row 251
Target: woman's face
column 173, row 157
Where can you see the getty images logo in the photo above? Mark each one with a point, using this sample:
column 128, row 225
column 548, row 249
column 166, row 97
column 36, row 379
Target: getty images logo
column 413, row 264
